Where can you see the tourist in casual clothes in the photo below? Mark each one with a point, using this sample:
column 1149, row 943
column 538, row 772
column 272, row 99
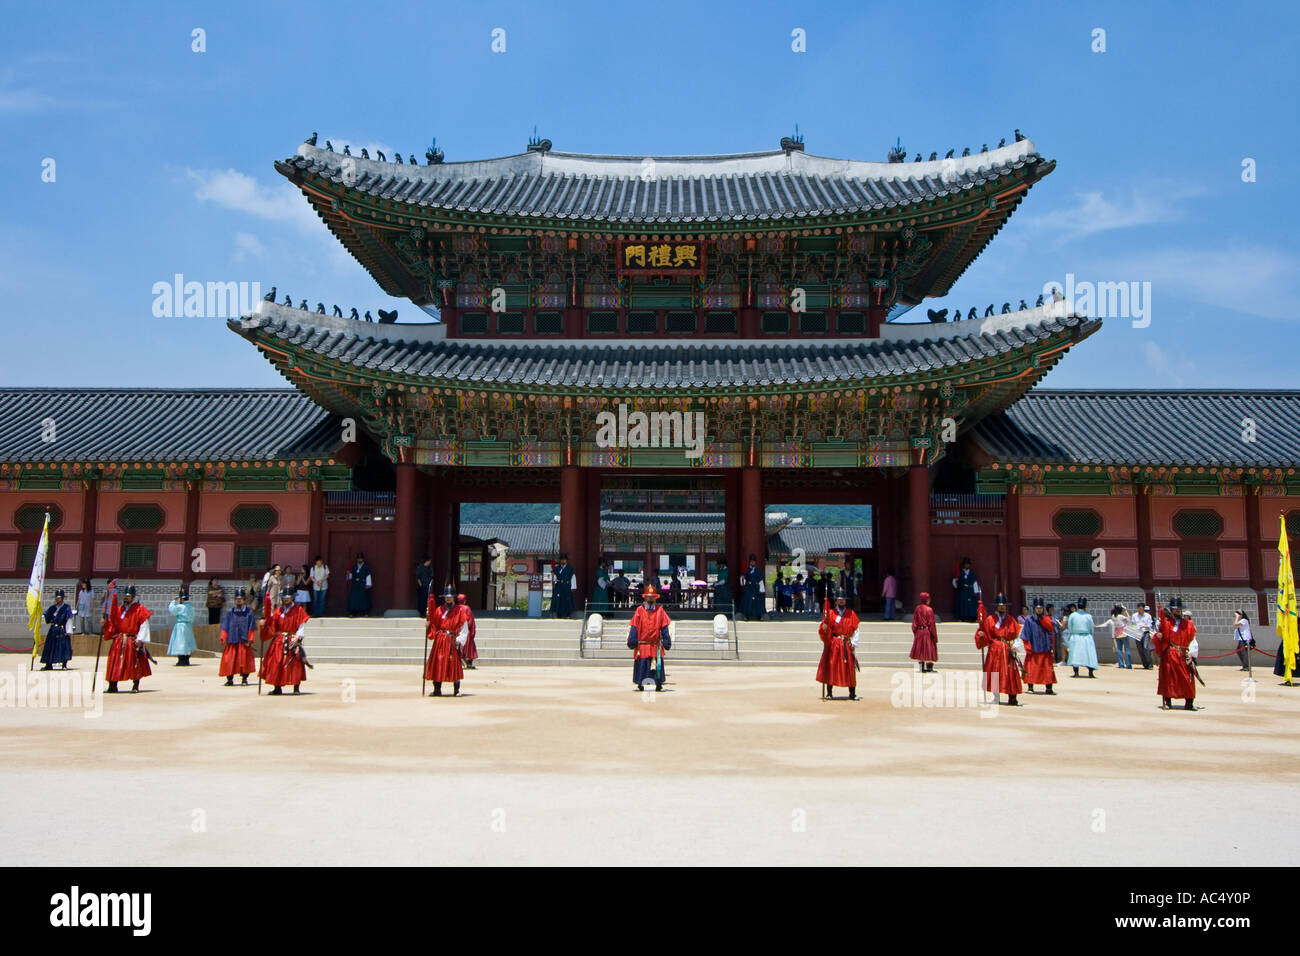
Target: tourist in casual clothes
column 284, row 660
column 967, row 586
column 253, row 593
column 1143, row 627
column 320, row 583
column 182, row 645
column 925, row 642
column 648, row 636
column 889, row 594
column 562, row 588
column 1173, row 644
column 360, row 583
column 997, row 633
column 447, row 626
column 86, row 619
column 237, row 641
column 215, row 601
column 1245, row 640
column 1079, row 629
column 800, row 589
column 1040, row 658
column 302, row 588
column 58, row 646
column 722, row 599
column 1118, row 623
column 752, row 603
column 1062, row 643
column 600, row 593
column 271, row 586
column 423, row 583
column 127, row 627
column 838, row 666
column 110, row 592
column 469, row 652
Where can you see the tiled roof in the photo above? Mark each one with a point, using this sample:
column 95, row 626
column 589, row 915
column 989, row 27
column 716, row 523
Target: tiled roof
column 818, row 539
column 163, row 425
column 624, row 365
column 1104, row 427
column 534, row 538
column 664, row 189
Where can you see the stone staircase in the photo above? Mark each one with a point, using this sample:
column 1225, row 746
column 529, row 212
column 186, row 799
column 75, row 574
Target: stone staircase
column 504, row 641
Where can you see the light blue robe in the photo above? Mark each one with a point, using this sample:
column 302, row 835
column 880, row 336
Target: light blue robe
column 182, row 642
column 1083, row 649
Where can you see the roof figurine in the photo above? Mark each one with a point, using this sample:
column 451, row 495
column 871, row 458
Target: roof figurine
column 896, row 152
column 270, row 296
column 536, row 145
column 310, row 140
column 793, row 143
column 432, row 155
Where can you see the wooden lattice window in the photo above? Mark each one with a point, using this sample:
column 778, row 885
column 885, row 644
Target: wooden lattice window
column 27, row 552
column 776, row 323
column 254, row 518
column 602, row 323
column 252, row 557
column 548, row 323
column 510, row 323
column 1198, row 523
column 1077, row 523
column 140, row 518
column 1200, row 564
column 720, row 323
column 474, row 323
column 1077, row 563
column 851, row 323
column 32, row 517
column 681, row 323
column 812, row 323
column 642, row 323
column 139, row 557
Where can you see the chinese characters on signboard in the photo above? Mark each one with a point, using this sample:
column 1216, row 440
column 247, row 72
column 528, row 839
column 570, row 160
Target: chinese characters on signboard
column 667, row 256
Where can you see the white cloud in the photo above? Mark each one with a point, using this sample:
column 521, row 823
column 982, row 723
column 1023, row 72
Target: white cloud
column 235, row 190
column 25, row 101
column 247, row 246
column 1254, row 280
column 1160, row 364
column 1092, row 212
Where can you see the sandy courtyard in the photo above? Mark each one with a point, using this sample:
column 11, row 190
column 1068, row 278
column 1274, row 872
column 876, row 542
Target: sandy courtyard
column 563, row 765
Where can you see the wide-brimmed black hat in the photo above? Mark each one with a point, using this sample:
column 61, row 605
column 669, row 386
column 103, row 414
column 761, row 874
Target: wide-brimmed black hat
column 240, row 592
column 59, row 593
column 1001, row 599
column 1038, row 602
column 1082, row 603
column 129, row 589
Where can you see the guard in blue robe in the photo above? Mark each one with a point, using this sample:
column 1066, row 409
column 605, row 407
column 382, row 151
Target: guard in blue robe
column 751, row 600
column 58, row 645
column 967, row 585
column 182, row 645
column 722, row 599
column 562, row 589
column 360, row 581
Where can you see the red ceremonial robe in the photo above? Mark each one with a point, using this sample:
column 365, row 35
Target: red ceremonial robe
column 1039, row 667
column 999, row 659
column 1171, row 644
column 838, row 666
column 925, row 646
column 277, row 669
column 125, row 660
column 647, row 655
column 469, row 653
column 443, row 663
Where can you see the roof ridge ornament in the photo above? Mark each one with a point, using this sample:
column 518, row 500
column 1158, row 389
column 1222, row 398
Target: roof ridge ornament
column 433, row 154
column 792, row 144
column 536, row 145
column 897, row 152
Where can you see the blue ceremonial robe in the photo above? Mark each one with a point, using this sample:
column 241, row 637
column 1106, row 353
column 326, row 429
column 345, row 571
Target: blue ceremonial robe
column 562, row 591
column 58, row 646
column 722, row 599
column 967, row 599
column 182, row 642
column 1078, row 633
column 358, row 595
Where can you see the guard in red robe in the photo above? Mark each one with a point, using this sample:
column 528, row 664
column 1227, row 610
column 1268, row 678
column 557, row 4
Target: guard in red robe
column 648, row 637
column 997, row 632
column 237, row 628
column 468, row 653
column 925, row 642
column 284, row 660
column 1173, row 644
column 127, row 627
column 1040, row 655
column 838, row 666
column 447, row 626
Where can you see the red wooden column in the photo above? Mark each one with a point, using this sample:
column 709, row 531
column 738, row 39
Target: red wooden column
column 571, row 512
column 316, row 524
column 584, row 570
column 1011, row 524
column 403, row 589
column 918, row 510
column 753, row 536
column 1146, row 578
column 1255, row 557
column 877, row 313
column 439, row 549
column 89, row 524
column 191, row 530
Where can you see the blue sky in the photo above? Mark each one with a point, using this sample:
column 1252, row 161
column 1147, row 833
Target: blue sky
column 163, row 156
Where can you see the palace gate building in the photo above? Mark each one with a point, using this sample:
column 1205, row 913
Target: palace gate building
column 734, row 317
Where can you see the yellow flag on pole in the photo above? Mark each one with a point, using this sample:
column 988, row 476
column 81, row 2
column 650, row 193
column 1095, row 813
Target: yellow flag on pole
column 35, row 587
column 1286, row 605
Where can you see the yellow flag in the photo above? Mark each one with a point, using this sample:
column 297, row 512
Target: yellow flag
column 35, row 587
column 1286, row 607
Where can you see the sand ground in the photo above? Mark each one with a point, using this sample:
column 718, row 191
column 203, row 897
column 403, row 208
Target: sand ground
column 562, row 765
